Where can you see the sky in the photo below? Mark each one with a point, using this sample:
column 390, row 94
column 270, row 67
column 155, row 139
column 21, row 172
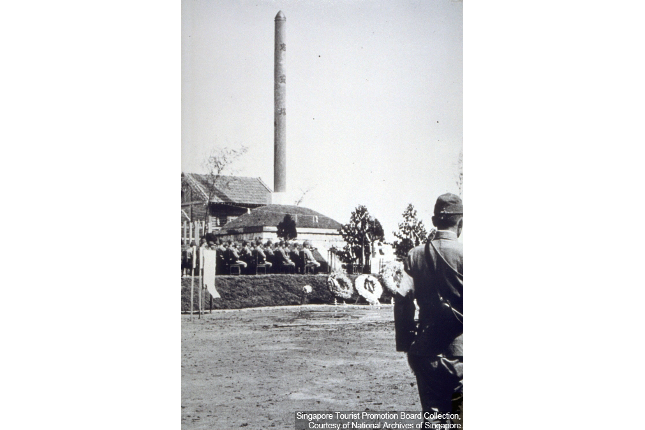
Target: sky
column 374, row 98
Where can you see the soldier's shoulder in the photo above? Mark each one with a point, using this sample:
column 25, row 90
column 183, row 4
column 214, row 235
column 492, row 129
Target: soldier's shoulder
column 415, row 257
column 453, row 245
column 421, row 249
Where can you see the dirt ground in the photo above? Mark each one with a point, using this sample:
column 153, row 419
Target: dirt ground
column 254, row 368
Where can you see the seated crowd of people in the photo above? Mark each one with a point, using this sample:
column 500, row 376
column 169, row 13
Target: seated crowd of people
column 251, row 256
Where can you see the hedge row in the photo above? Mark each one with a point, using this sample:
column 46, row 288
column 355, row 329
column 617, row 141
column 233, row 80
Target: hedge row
column 239, row 292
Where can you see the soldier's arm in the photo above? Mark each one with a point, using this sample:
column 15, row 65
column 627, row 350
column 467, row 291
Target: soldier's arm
column 404, row 309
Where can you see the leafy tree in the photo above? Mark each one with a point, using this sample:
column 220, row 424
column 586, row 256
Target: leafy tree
column 287, row 228
column 210, row 237
column 359, row 233
column 411, row 233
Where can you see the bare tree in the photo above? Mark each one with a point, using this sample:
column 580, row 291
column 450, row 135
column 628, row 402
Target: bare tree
column 303, row 193
column 219, row 162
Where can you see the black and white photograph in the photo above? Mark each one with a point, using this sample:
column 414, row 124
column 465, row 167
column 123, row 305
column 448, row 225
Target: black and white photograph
column 321, row 214
column 322, row 153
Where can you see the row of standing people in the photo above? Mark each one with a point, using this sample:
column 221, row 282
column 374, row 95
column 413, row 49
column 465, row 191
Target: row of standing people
column 289, row 257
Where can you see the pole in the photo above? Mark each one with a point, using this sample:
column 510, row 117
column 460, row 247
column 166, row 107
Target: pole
column 193, row 264
column 192, row 295
column 363, row 256
column 210, row 310
column 201, row 265
column 201, row 292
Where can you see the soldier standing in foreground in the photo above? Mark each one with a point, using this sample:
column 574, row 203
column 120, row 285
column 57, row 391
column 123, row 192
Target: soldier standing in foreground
column 434, row 277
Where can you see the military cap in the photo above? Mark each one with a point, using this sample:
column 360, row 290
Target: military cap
column 448, row 204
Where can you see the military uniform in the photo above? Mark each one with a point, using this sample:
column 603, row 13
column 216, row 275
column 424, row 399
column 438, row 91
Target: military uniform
column 221, row 259
column 269, row 253
column 283, row 258
column 235, row 257
column 434, row 277
column 310, row 259
column 261, row 256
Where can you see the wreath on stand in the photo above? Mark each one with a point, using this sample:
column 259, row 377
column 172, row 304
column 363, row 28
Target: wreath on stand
column 370, row 288
column 340, row 286
column 391, row 275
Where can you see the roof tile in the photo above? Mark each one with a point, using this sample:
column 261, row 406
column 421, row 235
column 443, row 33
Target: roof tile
column 232, row 189
column 272, row 215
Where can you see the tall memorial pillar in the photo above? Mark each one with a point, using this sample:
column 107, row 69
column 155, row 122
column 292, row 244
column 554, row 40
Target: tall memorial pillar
column 280, row 111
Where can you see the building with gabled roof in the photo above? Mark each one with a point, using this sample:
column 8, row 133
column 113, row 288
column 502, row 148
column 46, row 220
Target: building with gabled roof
column 239, row 208
column 220, row 199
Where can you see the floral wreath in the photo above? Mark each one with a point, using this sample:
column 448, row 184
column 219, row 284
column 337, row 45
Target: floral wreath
column 391, row 275
column 340, row 285
column 369, row 287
